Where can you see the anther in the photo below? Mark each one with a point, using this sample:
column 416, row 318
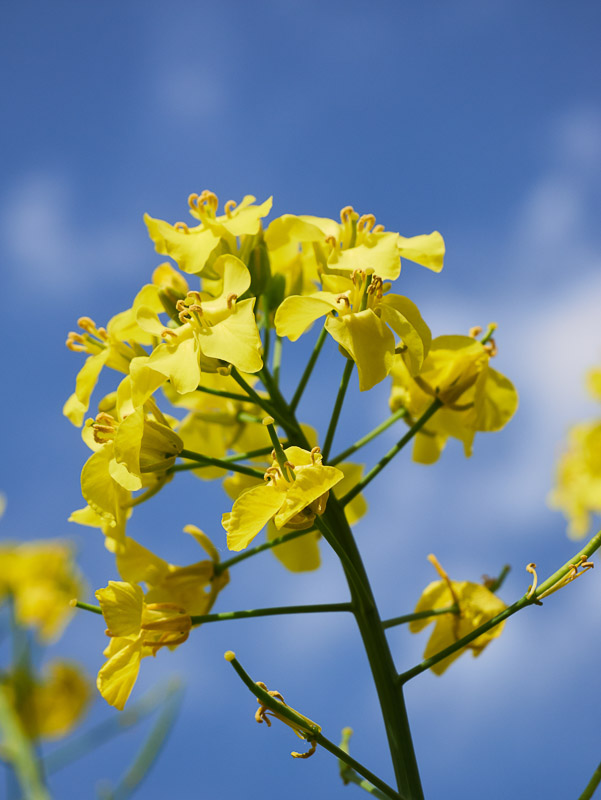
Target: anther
column 193, row 200
column 331, row 240
column 196, row 307
column 491, row 348
column 168, row 332
column 229, row 207
column 181, row 226
column 184, row 316
column 309, row 753
column 195, row 295
column 438, row 567
column 378, row 229
column 342, row 298
column 366, row 222
column 231, row 298
column 346, row 213
column 316, row 455
column 475, row 331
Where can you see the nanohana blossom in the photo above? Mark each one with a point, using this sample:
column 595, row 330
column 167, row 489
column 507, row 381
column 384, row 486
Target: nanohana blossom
column 476, row 605
column 291, row 497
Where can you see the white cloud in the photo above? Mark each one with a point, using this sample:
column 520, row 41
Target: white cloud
column 44, row 243
column 185, row 93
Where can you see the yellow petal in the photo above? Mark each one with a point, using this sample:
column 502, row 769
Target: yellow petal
column 427, row 250
column 353, row 473
column 178, row 360
column 137, row 564
column 369, row 343
column 298, row 555
column 250, row 513
column 121, row 604
column 311, row 482
column 296, row 314
column 77, row 405
column 405, row 320
column 378, row 254
column 288, row 228
column 117, row 677
column 435, row 595
column 190, row 250
column 235, row 339
column 495, row 403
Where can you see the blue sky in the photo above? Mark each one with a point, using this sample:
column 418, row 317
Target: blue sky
column 481, row 120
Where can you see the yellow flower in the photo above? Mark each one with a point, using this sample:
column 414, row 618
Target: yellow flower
column 302, row 554
column 213, row 330
column 137, row 629
column 195, row 249
column 291, row 497
column 475, row 396
column 363, row 319
column 42, row 578
column 477, row 605
column 52, row 705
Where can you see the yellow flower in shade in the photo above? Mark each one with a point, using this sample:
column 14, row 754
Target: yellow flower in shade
column 292, row 496
column 137, row 629
column 214, row 331
column 194, row 587
column 303, row 554
column 476, row 398
column 195, row 249
column 363, row 319
column 42, row 578
column 51, row 705
column 577, row 491
column 476, row 604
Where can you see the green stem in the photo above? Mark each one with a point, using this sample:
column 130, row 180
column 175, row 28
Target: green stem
column 488, row 335
column 317, row 608
column 218, row 462
column 433, row 612
column 308, row 369
column 380, row 659
column 417, row 426
column 266, row 332
column 142, row 498
column 86, row 606
column 277, row 359
column 256, row 398
column 310, row 730
column 285, row 537
column 18, row 751
column 346, row 376
column 244, row 417
column 228, row 395
column 592, row 785
column 250, row 454
column 402, row 412
column 349, row 775
column 528, row 599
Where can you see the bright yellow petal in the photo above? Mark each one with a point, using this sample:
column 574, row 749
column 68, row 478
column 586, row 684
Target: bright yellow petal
column 311, row 482
column 435, row 595
column 235, row 339
column 137, row 564
column 178, row 360
column 190, row 250
column 77, row 405
column 427, row 250
column 296, row 314
column 250, row 513
column 378, row 254
column 368, row 341
column 496, row 402
column 117, row 677
column 405, row 320
column 289, row 228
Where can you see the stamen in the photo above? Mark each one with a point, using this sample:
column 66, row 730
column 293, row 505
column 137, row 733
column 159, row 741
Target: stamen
column 184, row 316
column 475, row 331
column 231, row 298
column 180, row 305
column 343, row 298
column 366, row 222
column 583, row 565
column 209, row 199
column 193, row 200
column 438, row 567
column 378, row 229
column 195, row 295
column 531, row 568
column 357, row 275
column 309, row 753
column 229, row 207
column 315, row 455
column 181, row 226
column 196, row 307
column 345, row 214
column 331, row 240
column 491, row 347
column 168, row 332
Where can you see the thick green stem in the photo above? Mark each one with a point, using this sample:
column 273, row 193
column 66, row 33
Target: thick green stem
column 346, row 376
column 316, row 608
column 228, row 395
column 256, row 398
column 308, row 370
column 286, row 537
column 218, row 462
column 310, row 730
column 529, row 599
column 433, row 612
column 592, row 785
column 402, row 412
column 277, row 359
column 417, row 426
column 19, row 752
column 372, row 633
column 250, row 454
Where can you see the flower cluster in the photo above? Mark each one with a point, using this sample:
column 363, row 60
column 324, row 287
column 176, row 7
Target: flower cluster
column 195, row 387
